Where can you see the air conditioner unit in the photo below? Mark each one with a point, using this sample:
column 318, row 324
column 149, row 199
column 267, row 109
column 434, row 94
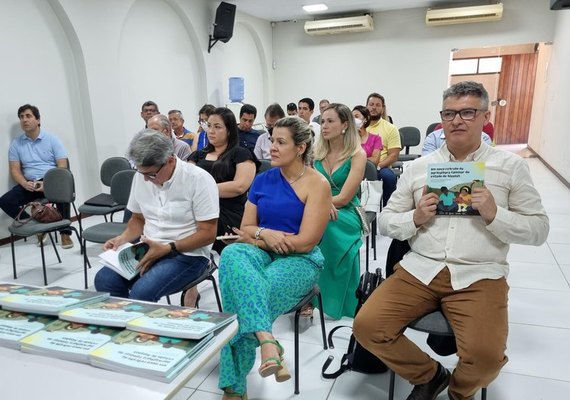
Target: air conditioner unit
column 362, row 23
column 463, row 15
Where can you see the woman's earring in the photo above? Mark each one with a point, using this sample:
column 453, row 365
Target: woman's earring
column 343, row 131
column 299, row 155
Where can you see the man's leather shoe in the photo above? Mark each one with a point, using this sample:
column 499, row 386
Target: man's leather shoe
column 430, row 390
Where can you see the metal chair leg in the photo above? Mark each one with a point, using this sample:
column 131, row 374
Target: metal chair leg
column 484, row 394
column 391, row 390
column 13, row 255
column 322, row 318
column 218, row 300
column 44, row 259
column 297, row 314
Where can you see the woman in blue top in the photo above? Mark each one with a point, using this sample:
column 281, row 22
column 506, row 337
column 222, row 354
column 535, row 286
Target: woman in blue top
column 276, row 260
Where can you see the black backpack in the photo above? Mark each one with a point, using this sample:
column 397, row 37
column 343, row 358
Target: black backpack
column 357, row 357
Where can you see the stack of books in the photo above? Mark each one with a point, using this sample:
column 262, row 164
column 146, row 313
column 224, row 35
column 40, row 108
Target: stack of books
column 150, row 340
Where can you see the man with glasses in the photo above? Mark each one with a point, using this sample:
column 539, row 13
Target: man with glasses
column 175, row 211
column 263, row 145
column 456, row 263
column 148, row 109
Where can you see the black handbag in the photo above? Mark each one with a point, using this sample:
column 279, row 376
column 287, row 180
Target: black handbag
column 357, row 358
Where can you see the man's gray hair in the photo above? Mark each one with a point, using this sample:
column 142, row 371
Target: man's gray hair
column 149, row 148
column 163, row 121
column 468, row 88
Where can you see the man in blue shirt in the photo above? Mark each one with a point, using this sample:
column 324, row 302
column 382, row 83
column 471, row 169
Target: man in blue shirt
column 247, row 135
column 30, row 156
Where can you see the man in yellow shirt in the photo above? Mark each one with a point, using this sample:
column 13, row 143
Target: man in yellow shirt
column 390, row 139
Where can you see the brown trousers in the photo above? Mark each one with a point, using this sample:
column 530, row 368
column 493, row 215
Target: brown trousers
column 477, row 314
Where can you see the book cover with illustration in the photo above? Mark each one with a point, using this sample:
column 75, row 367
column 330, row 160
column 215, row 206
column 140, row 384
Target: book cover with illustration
column 180, row 322
column 125, row 259
column 49, row 300
column 15, row 326
column 113, row 311
column 68, row 340
column 453, row 182
column 151, row 356
column 7, row 289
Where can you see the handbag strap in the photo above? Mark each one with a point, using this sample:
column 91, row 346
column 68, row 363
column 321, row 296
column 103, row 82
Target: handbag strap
column 18, row 221
column 344, row 361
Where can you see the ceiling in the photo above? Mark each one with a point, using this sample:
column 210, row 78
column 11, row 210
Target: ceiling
column 286, row 10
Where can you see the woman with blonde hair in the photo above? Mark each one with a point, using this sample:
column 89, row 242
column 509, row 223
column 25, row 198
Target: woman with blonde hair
column 341, row 160
column 276, row 260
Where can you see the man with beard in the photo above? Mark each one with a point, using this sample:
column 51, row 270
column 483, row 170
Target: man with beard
column 391, row 141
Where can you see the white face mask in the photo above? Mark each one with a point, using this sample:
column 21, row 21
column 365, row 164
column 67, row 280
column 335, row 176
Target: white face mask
column 358, row 122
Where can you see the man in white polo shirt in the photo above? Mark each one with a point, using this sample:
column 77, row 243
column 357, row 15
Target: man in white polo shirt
column 175, row 211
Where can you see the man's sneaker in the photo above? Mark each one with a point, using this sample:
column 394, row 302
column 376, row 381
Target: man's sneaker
column 66, row 242
column 42, row 237
column 430, row 390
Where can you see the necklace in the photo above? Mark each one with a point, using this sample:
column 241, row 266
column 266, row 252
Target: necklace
column 298, row 176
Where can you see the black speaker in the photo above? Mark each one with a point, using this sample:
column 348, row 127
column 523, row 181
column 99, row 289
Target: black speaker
column 560, row 4
column 224, row 25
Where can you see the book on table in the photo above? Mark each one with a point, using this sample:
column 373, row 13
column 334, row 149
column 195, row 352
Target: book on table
column 453, row 183
column 113, row 311
column 68, row 340
column 7, row 289
column 15, row 326
column 150, row 356
column 49, row 300
column 125, row 260
column 182, row 322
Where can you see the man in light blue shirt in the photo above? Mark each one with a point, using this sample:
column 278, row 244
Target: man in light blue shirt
column 435, row 139
column 30, row 156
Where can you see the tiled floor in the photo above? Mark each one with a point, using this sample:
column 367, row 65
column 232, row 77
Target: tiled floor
column 539, row 329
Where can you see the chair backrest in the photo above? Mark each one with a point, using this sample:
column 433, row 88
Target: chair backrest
column 59, row 186
column 410, row 136
column 121, row 186
column 265, row 165
column 431, row 127
column 370, row 171
column 111, row 166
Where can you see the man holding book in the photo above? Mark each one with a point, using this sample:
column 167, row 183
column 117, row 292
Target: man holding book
column 457, row 262
column 175, row 212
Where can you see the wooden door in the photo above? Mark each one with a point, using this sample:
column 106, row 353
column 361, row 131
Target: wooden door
column 516, row 86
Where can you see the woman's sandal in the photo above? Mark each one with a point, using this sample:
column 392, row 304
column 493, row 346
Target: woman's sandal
column 277, row 366
column 307, row 311
column 233, row 395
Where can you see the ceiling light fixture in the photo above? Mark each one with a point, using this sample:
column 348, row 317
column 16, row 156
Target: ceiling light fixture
column 315, row 8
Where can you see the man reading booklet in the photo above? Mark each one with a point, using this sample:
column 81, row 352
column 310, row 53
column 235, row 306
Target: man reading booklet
column 175, row 212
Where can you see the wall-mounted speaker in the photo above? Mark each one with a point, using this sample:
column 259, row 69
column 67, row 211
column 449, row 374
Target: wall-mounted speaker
column 560, row 4
column 224, row 25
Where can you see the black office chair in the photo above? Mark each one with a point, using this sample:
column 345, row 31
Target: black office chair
column 315, row 291
column 59, row 187
column 371, row 174
column 100, row 233
column 431, row 127
column 409, row 136
column 265, row 165
column 103, row 203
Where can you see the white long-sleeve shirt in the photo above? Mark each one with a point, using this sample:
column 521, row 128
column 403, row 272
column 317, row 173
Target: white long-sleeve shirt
column 470, row 249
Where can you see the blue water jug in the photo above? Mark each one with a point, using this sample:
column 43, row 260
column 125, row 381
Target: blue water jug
column 236, row 89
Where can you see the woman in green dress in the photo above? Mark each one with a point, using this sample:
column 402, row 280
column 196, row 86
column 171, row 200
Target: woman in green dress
column 340, row 158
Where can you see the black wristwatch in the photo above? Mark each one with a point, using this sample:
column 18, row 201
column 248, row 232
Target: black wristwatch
column 173, row 248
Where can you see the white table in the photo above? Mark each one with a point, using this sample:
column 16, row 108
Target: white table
column 26, row 376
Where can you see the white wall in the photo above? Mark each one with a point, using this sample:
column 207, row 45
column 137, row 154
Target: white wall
column 553, row 142
column 403, row 59
column 89, row 65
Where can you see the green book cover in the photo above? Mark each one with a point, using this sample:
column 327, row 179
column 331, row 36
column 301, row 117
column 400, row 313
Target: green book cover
column 453, row 182
column 181, row 322
column 49, row 300
column 113, row 311
column 15, row 326
column 68, row 340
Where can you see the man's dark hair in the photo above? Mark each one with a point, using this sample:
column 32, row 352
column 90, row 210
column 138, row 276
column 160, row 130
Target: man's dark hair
column 309, row 102
column 291, row 107
column 274, row 110
column 207, row 109
column 376, row 95
column 33, row 109
column 248, row 109
column 149, row 103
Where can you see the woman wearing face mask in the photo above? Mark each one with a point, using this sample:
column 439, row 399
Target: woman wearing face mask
column 263, row 145
column 372, row 144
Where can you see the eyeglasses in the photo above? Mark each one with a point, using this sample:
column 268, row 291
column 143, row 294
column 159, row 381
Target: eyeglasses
column 467, row 114
column 151, row 175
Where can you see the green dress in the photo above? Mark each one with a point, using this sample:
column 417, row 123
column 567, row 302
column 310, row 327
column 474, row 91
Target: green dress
column 340, row 245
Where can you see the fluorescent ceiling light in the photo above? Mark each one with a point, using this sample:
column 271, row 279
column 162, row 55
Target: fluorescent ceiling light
column 315, row 7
